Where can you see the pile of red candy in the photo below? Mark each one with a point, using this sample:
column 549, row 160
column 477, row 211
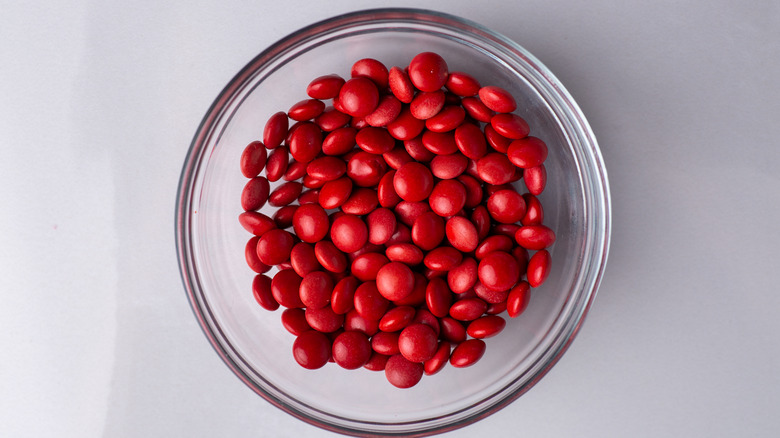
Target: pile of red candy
column 409, row 238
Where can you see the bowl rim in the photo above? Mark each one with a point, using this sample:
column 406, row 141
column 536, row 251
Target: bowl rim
column 215, row 113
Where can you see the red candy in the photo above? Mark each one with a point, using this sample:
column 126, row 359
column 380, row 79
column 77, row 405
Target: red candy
column 400, row 229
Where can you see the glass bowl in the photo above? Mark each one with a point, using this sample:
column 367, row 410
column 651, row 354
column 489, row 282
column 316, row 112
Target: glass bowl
column 252, row 341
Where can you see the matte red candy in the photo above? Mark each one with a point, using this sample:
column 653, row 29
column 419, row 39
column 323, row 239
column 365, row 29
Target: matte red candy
column 498, row 271
column 490, row 296
column 427, row 104
column 351, row 349
column 253, row 159
column 389, row 109
column 497, row 99
column 417, row 150
column 316, row 289
column 311, row 349
column 535, row 179
column 467, row 353
column 359, row 97
column 449, row 166
column 349, row 233
column 324, row 319
column 418, row 343
column 261, row 289
column 360, row 202
column 538, row 268
column 381, row 225
column 395, row 281
column 275, row 130
column 397, row 157
column 428, row 71
column 255, row 193
column 402, row 373
column 325, row 87
column 495, row 168
column 400, row 85
column 462, row 234
column 463, row 277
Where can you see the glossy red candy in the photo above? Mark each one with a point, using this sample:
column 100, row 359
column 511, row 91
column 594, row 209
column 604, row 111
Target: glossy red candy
column 349, row 233
column 396, row 319
column 428, row 71
column 462, row 84
column 498, row 271
column 535, row 237
column 395, row 281
column 506, row 206
column 369, row 303
column 518, row 299
column 255, row 193
column 253, row 159
column 311, row 349
column 497, row 99
column 413, row 182
column 400, row 85
column 439, row 359
column 325, row 87
column 359, row 97
column 467, row 353
column 275, row 130
column 261, row 289
column 486, row 326
column 539, row 268
column 448, row 197
column 371, row 69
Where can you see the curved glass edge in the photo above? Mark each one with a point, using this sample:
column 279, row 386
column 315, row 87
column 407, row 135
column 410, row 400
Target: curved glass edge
column 217, row 111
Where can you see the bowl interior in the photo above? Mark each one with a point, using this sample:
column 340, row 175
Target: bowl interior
column 253, row 341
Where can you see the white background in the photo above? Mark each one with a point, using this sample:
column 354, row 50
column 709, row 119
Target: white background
column 99, row 101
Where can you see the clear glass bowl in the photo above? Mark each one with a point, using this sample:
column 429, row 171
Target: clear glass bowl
column 252, row 341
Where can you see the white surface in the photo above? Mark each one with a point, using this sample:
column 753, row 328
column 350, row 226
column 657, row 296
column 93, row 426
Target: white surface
column 98, row 104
